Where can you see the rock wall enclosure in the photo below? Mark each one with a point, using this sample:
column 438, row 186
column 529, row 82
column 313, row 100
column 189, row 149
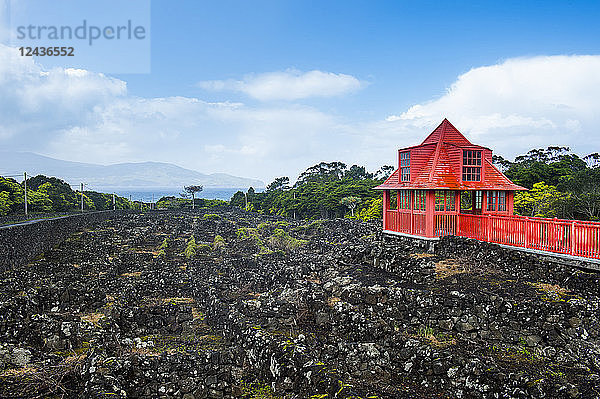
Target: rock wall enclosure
column 21, row 243
column 262, row 307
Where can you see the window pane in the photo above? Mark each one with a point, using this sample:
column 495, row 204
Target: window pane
column 471, row 158
column 471, row 173
column 450, row 201
column 393, row 199
column 405, row 166
column 502, row 200
column 405, row 174
column 478, row 199
column 404, row 196
column 492, row 200
column 440, row 198
column 419, row 200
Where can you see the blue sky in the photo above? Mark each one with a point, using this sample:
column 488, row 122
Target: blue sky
column 408, row 51
column 268, row 88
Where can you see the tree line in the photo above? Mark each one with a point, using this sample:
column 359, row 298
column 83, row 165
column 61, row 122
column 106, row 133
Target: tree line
column 325, row 190
column 560, row 183
column 50, row 194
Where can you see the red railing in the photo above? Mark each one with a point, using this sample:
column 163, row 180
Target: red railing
column 445, row 225
column 571, row 237
column 419, row 224
column 405, row 222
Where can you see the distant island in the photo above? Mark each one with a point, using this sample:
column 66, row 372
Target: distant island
column 142, row 175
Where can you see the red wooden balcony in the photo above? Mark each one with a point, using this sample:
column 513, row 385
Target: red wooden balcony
column 569, row 237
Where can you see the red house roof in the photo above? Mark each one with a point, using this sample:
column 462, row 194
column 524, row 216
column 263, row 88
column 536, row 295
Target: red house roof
column 437, row 164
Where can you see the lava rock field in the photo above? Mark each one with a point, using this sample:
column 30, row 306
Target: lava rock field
column 226, row 303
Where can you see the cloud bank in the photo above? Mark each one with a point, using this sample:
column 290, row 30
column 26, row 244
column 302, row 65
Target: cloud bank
column 520, row 103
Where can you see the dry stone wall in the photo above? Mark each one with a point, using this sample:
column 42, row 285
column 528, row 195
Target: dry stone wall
column 23, row 242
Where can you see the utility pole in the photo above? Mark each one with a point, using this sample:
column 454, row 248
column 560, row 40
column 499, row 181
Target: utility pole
column 152, row 204
column 114, row 205
column 82, row 197
column 294, row 205
column 246, row 197
column 25, row 182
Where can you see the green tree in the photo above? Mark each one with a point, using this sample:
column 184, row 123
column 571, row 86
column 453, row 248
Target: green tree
column 193, row 190
column 238, row 199
column 350, row 202
column 16, row 194
column 384, row 172
column 88, row 204
column 39, row 201
column 357, row 173
column 279, row 184
column 60, row 193
column 541, row 201
column 554, row 166
column 584, row 187
column 372, row 211
column 318, row 195
column 323, row 171
column 592, row 160
column 5, row 203
column 501, row 163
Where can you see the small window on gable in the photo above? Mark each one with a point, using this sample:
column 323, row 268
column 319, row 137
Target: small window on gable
column 405, row 166
column 471, row 165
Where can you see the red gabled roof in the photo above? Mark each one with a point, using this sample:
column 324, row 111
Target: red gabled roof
column 440, row 172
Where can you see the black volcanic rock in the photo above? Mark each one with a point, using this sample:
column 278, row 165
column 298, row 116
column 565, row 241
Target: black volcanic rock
column 112, row 312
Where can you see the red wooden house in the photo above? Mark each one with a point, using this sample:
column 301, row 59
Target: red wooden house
column 436, row 180
column 448, row 186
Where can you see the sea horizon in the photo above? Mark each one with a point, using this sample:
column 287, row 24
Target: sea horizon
column 155, row 194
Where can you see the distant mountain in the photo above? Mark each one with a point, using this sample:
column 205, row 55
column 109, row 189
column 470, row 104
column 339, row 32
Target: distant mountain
column 123, row 175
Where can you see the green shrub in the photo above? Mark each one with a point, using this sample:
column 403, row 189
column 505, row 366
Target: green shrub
column 282, row 240
column 164, row 244
column 219, row 242
column 263, row 225
column 257, row 390
column 190, row 249
column 242, row 233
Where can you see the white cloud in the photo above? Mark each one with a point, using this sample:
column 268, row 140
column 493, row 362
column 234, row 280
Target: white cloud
column 84, row 116
column 288, row 85
column 89, row 117
column 520, row 103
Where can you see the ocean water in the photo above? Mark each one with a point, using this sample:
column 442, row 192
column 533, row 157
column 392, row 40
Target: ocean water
column 153, row 195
